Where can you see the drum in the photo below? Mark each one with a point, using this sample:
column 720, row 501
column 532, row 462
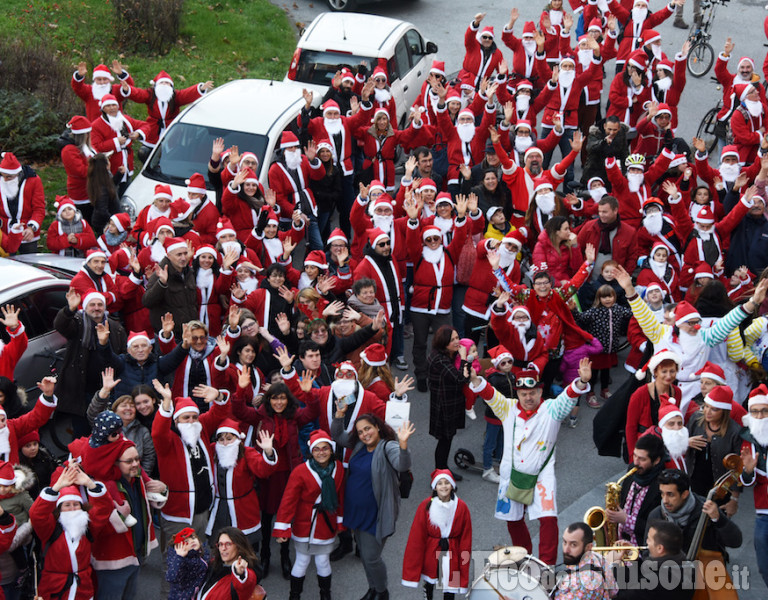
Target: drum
column 512, row 573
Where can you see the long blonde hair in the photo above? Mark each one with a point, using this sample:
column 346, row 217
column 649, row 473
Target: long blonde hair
column 367, row 374
column 725, row 417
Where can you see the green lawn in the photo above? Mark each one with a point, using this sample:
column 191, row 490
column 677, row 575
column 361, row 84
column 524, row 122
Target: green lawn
column 221, row 41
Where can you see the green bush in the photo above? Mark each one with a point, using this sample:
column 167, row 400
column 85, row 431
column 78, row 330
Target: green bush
column 26, row 123
column 147, row 25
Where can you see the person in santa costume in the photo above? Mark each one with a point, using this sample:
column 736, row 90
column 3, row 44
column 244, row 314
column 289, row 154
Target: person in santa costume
column 163, row 102
column 637, row 22
column 520, row 339
column 93, row 93
column 687, row 337
column 93, row 276
column 22, row 204
column 659, row 228
column 382, row 94
column 11, row 430
column 232, row 572
column 160, row 207
column 748, row 120
column 338, row 130
column 374, row 208
column 114, row 235
column 67, row 525
column 243, row 199
column 482, row 55
column 754, row 451
column 440, row 538
column 153, row 252
column 268, row 243
column 657, row 270
column 271, row 298
column 525, row 63
column 527, row 471
column 12, row 351
column 311, row 512
column 69, row 234
column 213, row 281
column 204, row 215
column 114, row 132
column 375, row 375
column 184, row 457
column 75, row 154
column 671, row 429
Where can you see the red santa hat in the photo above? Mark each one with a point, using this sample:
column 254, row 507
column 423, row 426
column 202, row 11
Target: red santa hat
column 94, row 253
column 747, row 60
column 224, row 227
column 427, row 184
column 330, row 105
column 658, row 358
column 453, row 95
column 157, row 225
column 183, row 535
column 595, row 25
column 7, row 474
column 173, row 243
column 729, row 150
column 32, row 436
column 742, row 90
column 161, row 77
column 9, row 165
column 374, row 355
column 657, row 245
column 703, row 271
column 705, row 215
column 229, row 426
column 71, row 493
column 102, row 71
column 650, row 36
column 325, row 144
column 720, row 397
column 653, row 286
column 520, row 309
column 108, row 99
column 318, row 436
column 79, row 124
column 430, row 231
column 532, row 150
column 137, row 336
column 272, row 217
column 665, row 64
column 680, row 159
column 439, row 474
column 523, row 84
column 288, row 140
column 207, row 249
column 466, row 112
column 667, row 411
column 466, row 82
column 376, row 185
column 379, row 72
column 523, row 123
column 246, row 155
column 498, row 354
column 757, row 396
column 196, row 184
column 639, row 59
column 486, row 31
column 541, row 183
column 685, row 312
column 63, row 202
column 567, row 58
column 438, row 67
column 347, row 75
column 664, row 108
column 652, row 201
column 444, row 197
column 122, row 221
column 316, row 258
column 345, row 366
column 184, row 405
column 712, row 371
column 337, row 235
column 379, row 111
column 92, row 296
column 529, row 29
column 592, row 180
column 181, row 208
column 163, row 190
column 516, row 236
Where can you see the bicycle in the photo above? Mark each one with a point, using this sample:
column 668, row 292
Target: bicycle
column 701, row 55
column 711, row 130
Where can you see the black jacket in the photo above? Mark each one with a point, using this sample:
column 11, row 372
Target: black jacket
column 749, row 240
column 652, row 500
column 178, row 296
column 598, row 150
column 641, row 581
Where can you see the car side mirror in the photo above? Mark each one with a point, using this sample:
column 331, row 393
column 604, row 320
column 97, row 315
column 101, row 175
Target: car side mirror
column 431, row 48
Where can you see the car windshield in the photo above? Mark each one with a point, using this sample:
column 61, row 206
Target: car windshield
column 186, row 149
column 318, row 67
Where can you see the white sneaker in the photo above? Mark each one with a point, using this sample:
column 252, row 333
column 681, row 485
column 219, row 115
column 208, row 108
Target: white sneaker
column 471, row 413
column 491, row 475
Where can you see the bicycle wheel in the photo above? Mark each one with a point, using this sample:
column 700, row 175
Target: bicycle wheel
column 700, row 59
column 706, row 130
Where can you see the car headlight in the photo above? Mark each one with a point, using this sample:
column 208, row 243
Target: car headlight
column 129, row 206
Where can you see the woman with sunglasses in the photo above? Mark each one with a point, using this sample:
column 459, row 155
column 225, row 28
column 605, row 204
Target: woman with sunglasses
column 232, row 572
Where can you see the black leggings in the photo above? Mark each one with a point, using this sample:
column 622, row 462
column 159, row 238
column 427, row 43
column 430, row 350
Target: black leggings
column 605, row 379
column 442, row 451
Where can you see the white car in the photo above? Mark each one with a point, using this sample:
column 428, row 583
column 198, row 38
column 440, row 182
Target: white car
column 336, row 40
column 249, row 113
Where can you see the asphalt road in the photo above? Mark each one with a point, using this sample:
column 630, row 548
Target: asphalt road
column 580, row 472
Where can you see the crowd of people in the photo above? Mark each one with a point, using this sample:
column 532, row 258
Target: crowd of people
column 231, row 359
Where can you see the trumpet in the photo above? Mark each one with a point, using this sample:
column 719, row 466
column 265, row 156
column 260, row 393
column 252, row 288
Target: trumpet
column 625, row 552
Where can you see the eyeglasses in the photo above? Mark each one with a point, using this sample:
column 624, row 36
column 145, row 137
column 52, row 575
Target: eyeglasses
column 225, row 544
column 432, row 238
column 694, row 322
column 198, row 338
column 321, row 449
column 506, row 361
column 380, row 80
column 339, row 245
column 526, row 382
column 130, row 461
column 760, row 414
column 250, row 325
column 346, row 375
column 383, row 244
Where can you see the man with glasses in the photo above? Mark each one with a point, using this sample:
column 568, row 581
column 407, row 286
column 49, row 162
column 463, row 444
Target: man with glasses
column 527, row 470
column 483, row 56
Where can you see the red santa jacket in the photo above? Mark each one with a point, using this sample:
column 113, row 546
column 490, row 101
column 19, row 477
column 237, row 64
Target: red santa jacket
column 318, row 132
column 209, row 300
column 158, row 119
column 361, row 222
column 475, row 62
column 669, row 236
column 240, row 213
column 10, row 242
column 624, row 248
column 707, row 173
column 421, row 559
column 759, row 478
column 746, row 132
column 18, row 427
column 84, row 91
column 82, row 282
column 30, row 209
column 130, row 290
column 650, row 138
column 174, row 463
column 727, row 79
column 270, row 250
column 633, row 32
column 104, row 139
column 478, row 298
column 368, row 268
column 181, row 379
column 289, row 192
column 639, row 416
column 241, row 497
column 300, row 516
column 506, row 93
column 672, row 96
column 533, row 67
column 380, row 153
column 626, row 102
column 566, row 102
column 205, row 217
column 433, row 282
column 669, row 282
column 76, row 167
column 11, row 352
column 457, row 151
column 231, row 586
column 58, row 241
column 523, row 351
column 67, row 566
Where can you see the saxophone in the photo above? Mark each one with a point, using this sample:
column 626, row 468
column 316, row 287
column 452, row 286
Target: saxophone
column 605, row 532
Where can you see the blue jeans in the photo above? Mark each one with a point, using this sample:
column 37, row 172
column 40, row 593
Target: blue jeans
column 324, row 223
column 458, row 315
column 761, row 545
column 11, row 591
column 314, row 239
column 117, row 584
column 398, row 342
column 565, row 149
column 493, row 444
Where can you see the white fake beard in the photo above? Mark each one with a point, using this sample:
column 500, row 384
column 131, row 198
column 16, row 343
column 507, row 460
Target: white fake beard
column 664, row 83
column 157, row 252
column 704, row 236
column 675, row 440
column 445, row 225
column 164, row 92
column 585, row 57
column 383, row 222
column 432, row 256
column 754, row 107
column 342, row 388
column 634, row 181
column 5, row 444
column 226, row 454
column 74, row 523
column 382, row 95
column 566, row 78
column 441, row 515
column 522, row 102
column 656, row 51
column 506, row 257
column 659, row 268
column 333, row 126
column 231, row 246
column 639, row 14
column 9, row 189
column 546, row 202
column 204, row 279
column 759, row 430
column 523, row 142
column 466, row 132
column 99, row 90
column 522, row 327
column 190, row 432
column 691, row 344
column 153, row 213
column 729, row 172
column 248, row 285
column 555, row 17
column 274, row 247
column 116, row 123
column 597, row 193
column 653, row 223
column 293, row 159
column 529, row 46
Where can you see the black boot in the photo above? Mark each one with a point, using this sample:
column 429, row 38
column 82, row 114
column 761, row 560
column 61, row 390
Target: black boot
column 344, row 547
column 297, row 585
column 369, row 594
column 429, row 590
column 285, row 560
column 381, row 595
column 265, row 556
column 324, row 583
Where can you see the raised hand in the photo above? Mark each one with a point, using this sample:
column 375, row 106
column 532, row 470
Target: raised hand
column 625, row 280
column 494, row 135
column 379, row 319
column 207, row 86
column 670, row 188
column 310, row 151
column 108, row 381
column 308, row 96
column 168, row 324
column 403, row 386
column 284, row 358
column 577, row 142
column 182, row 549
column 406, row 430
column 102, row 333
column 749, row 460
column 217, row 148
column 503, row 298
column 590, row 254
column 244, row 378
column 47, row 385
column 73, row 299
column 240, row 565
column 306, row 381
column 223, row 343
column 286, row 293
column 82, row 68
column 206, row 392
column 236, row 291
column 10, row 316
column 585, row 369
column 165, row 393
column 162, row 274
column 283, row 323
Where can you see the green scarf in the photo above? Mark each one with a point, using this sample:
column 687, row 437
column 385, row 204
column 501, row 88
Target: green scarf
column 329, row 501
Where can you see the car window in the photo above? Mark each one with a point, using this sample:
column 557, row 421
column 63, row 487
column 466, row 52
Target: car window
column 415, row 45
column 402, row 58
column 38, row 310
column 186, row 149
column 48, row 303
column 318, row 67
